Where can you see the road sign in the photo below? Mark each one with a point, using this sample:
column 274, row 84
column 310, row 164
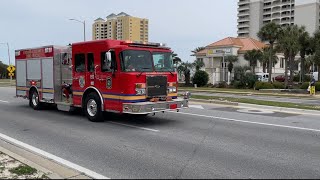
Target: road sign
column 11, row 69
column 11, row 74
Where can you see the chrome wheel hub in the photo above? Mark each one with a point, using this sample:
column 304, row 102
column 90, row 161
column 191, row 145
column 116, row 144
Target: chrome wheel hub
column 92, row 107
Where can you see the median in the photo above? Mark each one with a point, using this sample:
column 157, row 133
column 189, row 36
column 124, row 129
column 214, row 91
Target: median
column 225, row 100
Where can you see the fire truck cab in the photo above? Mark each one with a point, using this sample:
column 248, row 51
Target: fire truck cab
column 105, row 75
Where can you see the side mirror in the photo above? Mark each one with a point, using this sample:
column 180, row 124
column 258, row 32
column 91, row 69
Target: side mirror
column 108, row 56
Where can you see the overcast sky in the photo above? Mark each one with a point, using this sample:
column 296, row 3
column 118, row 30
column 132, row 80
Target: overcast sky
column 182, row 24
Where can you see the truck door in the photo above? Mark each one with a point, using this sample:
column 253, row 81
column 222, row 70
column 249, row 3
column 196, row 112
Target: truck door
column 79, row 82
column 90, row 75
column 108, row 80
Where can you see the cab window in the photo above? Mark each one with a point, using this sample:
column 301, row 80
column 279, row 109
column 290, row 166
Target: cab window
column 80, row 63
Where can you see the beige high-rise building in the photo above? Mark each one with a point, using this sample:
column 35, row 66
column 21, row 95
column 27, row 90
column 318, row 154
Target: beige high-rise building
column 254, row 14
column 121, row 27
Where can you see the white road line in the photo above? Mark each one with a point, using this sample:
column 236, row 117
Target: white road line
column 53, row 157
column 251, row 122
column 4, row 101
column 147, row 129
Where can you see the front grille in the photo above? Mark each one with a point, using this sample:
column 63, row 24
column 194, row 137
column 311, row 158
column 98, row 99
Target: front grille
column 156, row 86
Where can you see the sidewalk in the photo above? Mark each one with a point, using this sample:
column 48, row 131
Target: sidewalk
column 31, row 165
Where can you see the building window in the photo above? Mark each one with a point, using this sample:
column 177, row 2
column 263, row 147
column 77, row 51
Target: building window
column 282, row 63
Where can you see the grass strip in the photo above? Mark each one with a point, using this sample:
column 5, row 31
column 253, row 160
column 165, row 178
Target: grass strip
column 258, row 102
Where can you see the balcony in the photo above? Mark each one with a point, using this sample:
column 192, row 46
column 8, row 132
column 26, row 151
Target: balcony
column 276, row 9
column 243, row 25
column 276, row 15
column 243, row 7
column 243, row 31
column 241, row 2
column 244, row 13
column 246, row 19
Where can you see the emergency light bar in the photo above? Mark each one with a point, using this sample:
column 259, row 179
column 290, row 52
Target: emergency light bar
column 145, row 44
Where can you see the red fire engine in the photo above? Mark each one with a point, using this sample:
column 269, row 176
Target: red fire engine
column 104, row 75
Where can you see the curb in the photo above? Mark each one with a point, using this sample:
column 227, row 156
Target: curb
column 52, row 169
column 215, row 102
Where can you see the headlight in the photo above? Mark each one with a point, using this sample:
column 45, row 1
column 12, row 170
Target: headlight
column 172, row 89
column 140, row 91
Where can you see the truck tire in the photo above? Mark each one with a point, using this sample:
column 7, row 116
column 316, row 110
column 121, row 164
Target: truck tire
column 34, row 100
column 92, row 108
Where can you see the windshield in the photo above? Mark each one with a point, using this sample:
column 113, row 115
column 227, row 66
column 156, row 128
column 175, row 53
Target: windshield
column 163, row 61
column 141, row 61
column 136, row 61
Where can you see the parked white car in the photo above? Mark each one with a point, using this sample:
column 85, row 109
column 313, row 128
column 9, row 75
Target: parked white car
column 263, row 77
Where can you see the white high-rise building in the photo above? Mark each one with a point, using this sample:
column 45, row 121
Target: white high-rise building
column 254, row 14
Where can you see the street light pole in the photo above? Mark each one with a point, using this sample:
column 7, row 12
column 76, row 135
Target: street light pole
column 84, row 27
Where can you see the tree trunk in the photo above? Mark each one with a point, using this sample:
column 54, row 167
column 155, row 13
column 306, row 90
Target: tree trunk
column 286, row 72
column 264, row 67
column 291, row 68
column 270, row 62
column 302, row 67
column 318, row 73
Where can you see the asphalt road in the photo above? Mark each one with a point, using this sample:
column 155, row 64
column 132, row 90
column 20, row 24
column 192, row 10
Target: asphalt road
column 205, row 141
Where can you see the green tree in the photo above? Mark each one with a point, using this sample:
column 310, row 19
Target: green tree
column 176, row 59
column 253, row 56
column 185, row 69
column 3, row 70
column 231, row 60
column 200, row 78
column 264, row 61
column 305, row 49
column 198, row 64
column 270, row 33
column 288, row 42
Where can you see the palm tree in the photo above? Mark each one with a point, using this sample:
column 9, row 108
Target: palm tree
column 305, row 49
column 176, row 59
column 270, row 33
column 198, row 49
column 198, row 64
column 185, row 69
column 231, row 60
column 288, row 43
column 264, row 61
column 253, row 56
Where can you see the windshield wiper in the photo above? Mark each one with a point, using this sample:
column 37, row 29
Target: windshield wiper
column 168, row 70
column 142, row 71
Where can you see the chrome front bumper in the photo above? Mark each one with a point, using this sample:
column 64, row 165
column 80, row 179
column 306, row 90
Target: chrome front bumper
column 155, row 107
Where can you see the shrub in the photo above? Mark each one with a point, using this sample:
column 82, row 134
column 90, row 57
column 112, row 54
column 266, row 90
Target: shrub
column 296, row 78
column 278, row 85
column 250, row 80
column 305, row 85
column 317, row 86
column 263, row 85
column 237, row 84
column 200, row 78
column 222, row 85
